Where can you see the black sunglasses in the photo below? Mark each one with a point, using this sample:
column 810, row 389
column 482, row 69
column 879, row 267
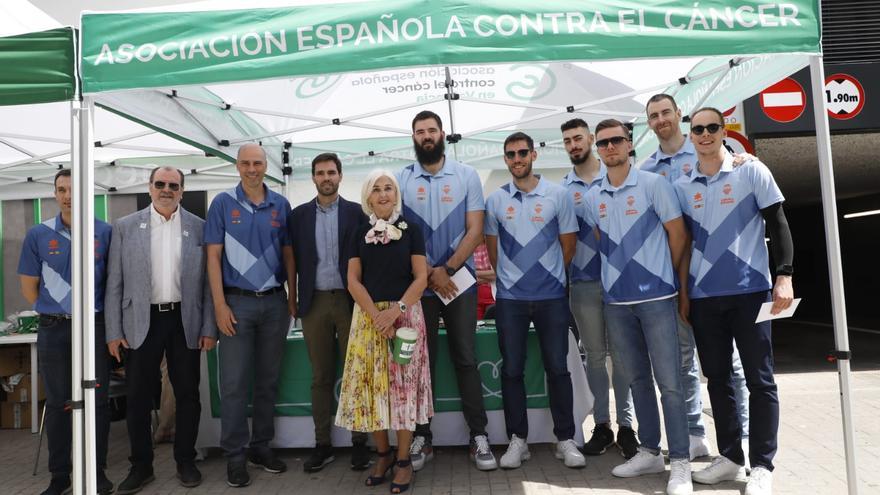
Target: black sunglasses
column 160, row 184
column 616, row 141
column 512, row 154
column 697, row 130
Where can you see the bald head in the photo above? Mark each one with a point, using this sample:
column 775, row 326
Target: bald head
column 251, row 165
column 249, row 148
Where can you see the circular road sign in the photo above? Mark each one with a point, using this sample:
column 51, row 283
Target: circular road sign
column 844, row 96
column 784, row 101
column 739, row 143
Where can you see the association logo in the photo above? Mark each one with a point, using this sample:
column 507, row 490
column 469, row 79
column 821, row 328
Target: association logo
column 537, row 216
column 310, row 87
column 727, row 189
column 446, row 198
column 698, row 201
column 236, row 216
column 630, row 201
column 54, row 246
column 535, row 81
column 421, row 193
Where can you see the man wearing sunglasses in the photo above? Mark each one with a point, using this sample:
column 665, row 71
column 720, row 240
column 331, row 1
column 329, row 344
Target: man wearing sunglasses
column 44, row 270
column 158, row 304
column 641, row 240
column 531, row 232
column 445, row 199
column 585, row 296
column 728, row 209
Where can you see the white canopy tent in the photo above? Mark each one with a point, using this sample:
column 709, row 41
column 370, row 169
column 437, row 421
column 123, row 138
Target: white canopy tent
column 370, row 130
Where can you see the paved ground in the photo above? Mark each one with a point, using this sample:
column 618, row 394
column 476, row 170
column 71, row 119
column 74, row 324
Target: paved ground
column 810, row 460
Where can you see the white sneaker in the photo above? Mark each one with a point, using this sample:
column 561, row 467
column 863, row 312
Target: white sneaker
column 760, row 481
column 417, row 454
column 644, row 462
column 679, row 478
column 567, row 451
column 517, row 451
column 699, row 447
column 721, row 469
column 482, row 455
column 745, row 445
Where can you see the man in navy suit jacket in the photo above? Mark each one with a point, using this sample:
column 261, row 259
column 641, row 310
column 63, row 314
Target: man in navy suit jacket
column 322, row 232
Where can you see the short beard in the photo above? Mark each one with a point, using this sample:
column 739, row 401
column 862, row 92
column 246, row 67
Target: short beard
column 580, row 161
column 429, row 156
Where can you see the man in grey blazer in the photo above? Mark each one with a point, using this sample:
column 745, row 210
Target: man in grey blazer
column 158, row 303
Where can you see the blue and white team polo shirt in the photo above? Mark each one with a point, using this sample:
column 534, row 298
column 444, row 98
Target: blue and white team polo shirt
column 672, row 166
column 723, row 213
column 252, row 237
column 46, row 253
column 528, row 226
column 586, row 264
column 439, row 205
column 636, row 263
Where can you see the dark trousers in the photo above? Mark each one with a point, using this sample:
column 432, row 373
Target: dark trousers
column 165, row 338
column 327, row 323
column 551, row 325
column 251, row 357
column 718, row 321
column 54, row 356
column 460, row 320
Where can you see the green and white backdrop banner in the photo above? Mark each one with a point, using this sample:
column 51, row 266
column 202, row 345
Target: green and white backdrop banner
column 145, row 50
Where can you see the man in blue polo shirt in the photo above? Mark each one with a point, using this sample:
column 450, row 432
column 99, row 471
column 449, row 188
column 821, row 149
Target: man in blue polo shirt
column 445, row 198
column 249, row 259
column 728, row 210
column 585, row 296
column 641, row 241
column 531, row 232
column 44, row 270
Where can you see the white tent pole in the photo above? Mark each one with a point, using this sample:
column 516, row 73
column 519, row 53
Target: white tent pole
column 450, row 94
column 76, row 304
column 86, row 172
column 835, row 267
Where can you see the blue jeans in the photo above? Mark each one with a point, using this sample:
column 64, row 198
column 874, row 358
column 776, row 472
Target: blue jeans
column 646, row 337
column 586, row 306
column 550, row 317
column 718, row 321
column 54, row 358
column 690, row 378
column 251, row 356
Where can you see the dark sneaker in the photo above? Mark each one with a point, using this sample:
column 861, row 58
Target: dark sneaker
column 626, row 441
column 237, row 475
column 321, row 456
column 105, row 486
column 602, row 438
column 59, row 485
column 266, row 460
column 138, row 477
column 360, row 457
column 189, row 475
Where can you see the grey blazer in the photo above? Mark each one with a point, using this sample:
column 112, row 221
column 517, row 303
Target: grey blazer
column 129, row 281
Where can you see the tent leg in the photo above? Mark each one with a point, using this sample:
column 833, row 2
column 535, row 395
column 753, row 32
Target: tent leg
column 76, row 397
column 835, row 268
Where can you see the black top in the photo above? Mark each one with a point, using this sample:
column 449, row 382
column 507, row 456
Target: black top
column 386, row 269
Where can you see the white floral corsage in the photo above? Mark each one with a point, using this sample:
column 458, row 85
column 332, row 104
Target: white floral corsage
column 384, row 231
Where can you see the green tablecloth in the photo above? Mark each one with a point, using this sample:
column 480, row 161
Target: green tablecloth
column 294, row 395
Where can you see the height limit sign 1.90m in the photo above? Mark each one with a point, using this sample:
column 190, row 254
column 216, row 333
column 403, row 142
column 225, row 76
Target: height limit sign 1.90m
column 844, row 96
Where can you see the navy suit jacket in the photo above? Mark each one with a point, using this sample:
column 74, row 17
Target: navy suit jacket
column 301, row 227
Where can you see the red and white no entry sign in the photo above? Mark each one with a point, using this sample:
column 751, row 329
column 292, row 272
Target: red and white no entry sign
column 784, row 101
column 844, row 96
column 739, row 143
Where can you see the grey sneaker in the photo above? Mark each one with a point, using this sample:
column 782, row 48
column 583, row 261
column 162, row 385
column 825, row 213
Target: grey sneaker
column 482, row 455
column 420, row 452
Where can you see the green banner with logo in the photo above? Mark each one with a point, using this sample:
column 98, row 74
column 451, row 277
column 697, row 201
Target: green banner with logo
column 37, row 67
column 140, row 50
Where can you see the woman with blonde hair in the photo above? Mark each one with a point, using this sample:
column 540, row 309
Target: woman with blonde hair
column 386, row 278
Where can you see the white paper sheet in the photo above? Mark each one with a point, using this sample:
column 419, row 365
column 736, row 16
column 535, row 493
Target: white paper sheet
column 463, row 280
column 765, row 315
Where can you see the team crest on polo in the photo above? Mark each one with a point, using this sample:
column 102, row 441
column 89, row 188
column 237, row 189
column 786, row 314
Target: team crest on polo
column 537, row 216
column 727, row 200
column 54, row 247
column 421, row 193
column 630, row 201
column 578, row 197
column 698, row 201
column 446, row 197
column 275, row 223
column 686, row 168
column 236, row 216
column 603, row 210
column 511, row 211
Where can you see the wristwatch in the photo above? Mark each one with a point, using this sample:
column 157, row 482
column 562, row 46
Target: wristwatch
column 402, row 306
column 785, row 270
column 449, row 270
